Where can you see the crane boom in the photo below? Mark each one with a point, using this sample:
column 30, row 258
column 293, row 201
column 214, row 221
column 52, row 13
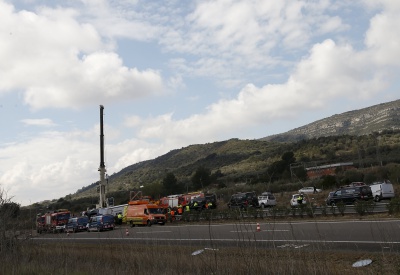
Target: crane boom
column 102, row 168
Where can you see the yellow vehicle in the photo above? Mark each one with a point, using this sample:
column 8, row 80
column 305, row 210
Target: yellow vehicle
column 144, row 214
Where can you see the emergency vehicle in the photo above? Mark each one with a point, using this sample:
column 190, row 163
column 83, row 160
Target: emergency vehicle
column 144, row 213
column 53, row 222
column 181, row 199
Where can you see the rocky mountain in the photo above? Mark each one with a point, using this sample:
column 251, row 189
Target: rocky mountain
column 377, row 118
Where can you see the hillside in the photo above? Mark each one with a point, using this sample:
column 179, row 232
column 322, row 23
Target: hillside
column 376, row 118
column 366, row 137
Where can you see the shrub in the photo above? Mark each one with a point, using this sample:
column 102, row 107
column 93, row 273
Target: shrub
column 393, row 206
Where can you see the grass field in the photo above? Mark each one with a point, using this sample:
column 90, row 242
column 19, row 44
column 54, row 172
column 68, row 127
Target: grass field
column 65, row 258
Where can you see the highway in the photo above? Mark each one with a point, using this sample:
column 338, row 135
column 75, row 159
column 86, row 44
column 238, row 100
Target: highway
column 351, row 235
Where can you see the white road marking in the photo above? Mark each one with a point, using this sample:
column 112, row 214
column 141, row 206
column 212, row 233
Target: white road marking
column 131, row 237
column 147, row 232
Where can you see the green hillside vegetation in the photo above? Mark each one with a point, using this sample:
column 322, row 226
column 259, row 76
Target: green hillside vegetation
column 238, row 165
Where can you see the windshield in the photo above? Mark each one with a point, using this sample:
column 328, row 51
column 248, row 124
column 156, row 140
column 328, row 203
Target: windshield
column 63, row 216
column 156, row 210
column 107, row 218
column 72, row 220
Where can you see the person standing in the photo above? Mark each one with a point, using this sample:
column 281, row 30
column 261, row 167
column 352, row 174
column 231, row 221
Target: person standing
column 186, row 214
column 300, row 200
column 119, row 218
column 180, row 209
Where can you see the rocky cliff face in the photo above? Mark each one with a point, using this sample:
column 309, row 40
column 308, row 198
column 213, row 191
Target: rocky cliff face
column 376, row 118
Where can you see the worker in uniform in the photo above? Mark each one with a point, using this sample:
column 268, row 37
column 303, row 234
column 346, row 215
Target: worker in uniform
column 300, row 200
column 186, row 214
column 119, row 216
column 172, row 215
column 180, row 209
column 209, row 205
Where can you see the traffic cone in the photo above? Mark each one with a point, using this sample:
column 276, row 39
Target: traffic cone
column 258, row 227
column 127, row 232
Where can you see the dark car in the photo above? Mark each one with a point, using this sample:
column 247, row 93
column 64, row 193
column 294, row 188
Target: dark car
column 76, row 224
column 101, row 222
column 350, row 195
column 243, row 200
column 201, row 203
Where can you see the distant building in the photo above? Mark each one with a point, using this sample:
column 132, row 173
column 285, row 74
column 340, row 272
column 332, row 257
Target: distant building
column 329, row 169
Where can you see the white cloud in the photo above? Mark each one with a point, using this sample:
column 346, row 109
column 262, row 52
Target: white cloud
column 383, row 37
column 51, row 164
column 329, row 73
column 46, row 122
column 62, row 63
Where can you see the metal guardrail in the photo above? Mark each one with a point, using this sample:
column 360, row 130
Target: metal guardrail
column 279, row 212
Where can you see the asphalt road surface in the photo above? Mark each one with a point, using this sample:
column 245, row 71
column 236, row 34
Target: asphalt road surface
column 351, row 235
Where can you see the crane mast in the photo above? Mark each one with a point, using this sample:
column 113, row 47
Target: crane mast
column 102, row 168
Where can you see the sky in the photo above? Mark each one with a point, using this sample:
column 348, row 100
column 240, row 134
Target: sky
column 175, row 73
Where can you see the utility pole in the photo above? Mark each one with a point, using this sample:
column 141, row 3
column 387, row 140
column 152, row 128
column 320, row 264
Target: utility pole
column 102, row 168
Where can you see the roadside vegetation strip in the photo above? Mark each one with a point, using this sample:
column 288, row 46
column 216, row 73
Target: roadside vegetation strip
column 136, row 258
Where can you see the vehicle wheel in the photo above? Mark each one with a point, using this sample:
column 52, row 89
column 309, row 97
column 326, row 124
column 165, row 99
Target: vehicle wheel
column 377, row 198
column 163, row 223
column 333, row 203
column 148, row 223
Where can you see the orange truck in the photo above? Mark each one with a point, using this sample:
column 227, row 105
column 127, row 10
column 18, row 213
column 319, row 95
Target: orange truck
column 144, row 213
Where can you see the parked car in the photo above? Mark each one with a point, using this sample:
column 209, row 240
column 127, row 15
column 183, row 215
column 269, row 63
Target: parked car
column 351, row 194
column 328, row 199
column 101, row 222
column 309, row 190
column 294, row 201
column 76, row 224
column 243, row 200
column 266, row 201
column 382, row 190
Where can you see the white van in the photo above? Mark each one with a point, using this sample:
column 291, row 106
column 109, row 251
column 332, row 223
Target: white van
column 382, row 190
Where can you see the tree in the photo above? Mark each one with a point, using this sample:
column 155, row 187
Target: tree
column 281, row 168
column 201, row 178
column 170, row 184
column 154, row 190
column 10, row 209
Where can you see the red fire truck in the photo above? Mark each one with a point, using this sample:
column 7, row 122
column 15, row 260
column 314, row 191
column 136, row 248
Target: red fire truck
column 181, row 199
column 52, row 222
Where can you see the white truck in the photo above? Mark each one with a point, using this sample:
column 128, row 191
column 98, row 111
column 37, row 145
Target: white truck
column 382, row 190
